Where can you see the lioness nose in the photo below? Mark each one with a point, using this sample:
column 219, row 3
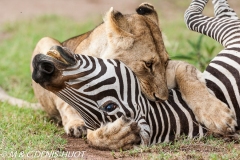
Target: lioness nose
column 160, row 98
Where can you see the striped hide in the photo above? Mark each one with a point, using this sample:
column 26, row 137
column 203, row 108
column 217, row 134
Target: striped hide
column 222, row 74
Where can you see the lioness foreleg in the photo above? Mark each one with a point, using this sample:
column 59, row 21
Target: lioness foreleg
column 120, row 134
column 72, row 121
column 209, row 110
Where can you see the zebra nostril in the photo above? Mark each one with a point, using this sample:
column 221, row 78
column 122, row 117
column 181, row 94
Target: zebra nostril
column 47, row 67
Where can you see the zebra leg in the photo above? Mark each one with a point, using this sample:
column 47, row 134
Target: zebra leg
column 120, row 134
column 223, row 10
column 208, row 110
column 55, row 107
column 222, row 30
column 194, row 19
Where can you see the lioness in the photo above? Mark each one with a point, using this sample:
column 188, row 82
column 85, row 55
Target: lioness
column 136, row 40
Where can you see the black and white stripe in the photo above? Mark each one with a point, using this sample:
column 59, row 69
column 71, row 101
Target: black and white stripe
column 222, row 74
column 99, row 81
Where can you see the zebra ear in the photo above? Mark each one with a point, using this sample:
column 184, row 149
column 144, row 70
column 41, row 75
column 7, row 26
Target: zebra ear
column 117, row 30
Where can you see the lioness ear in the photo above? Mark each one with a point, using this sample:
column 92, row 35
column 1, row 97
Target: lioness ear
column 158, row 40
column 146, row 9
column 117, row 30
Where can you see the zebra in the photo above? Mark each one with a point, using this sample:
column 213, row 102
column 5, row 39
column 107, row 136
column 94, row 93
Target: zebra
column 222, row 74
column 104, row 90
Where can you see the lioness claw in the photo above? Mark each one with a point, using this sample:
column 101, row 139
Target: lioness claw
column 75, row 129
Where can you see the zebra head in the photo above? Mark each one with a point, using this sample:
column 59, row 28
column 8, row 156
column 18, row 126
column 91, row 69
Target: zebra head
column 101, row 90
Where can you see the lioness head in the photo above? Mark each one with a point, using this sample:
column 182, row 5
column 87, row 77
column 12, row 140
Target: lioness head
column 136, row 40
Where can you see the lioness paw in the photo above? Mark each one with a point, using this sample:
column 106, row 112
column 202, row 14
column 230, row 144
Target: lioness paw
column 75, row 128
column 217, row 117
column 122, row 133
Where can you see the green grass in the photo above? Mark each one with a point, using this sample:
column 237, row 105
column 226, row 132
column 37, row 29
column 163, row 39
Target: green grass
column 27, row 130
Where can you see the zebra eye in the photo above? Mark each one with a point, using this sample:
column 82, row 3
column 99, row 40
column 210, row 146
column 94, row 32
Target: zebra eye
column 110, row 107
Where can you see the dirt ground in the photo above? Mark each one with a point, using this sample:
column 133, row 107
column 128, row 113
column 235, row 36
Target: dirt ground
column 77, row 144
column 11, row 10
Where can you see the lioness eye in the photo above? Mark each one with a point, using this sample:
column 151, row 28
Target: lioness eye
column 166, row 63
column 149, row 64
column 110, row 107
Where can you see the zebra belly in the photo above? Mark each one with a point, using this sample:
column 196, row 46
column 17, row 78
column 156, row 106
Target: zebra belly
column 223, row 78
column 171, row 119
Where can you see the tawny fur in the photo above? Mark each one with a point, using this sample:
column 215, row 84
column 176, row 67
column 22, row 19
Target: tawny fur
column 122, row 133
